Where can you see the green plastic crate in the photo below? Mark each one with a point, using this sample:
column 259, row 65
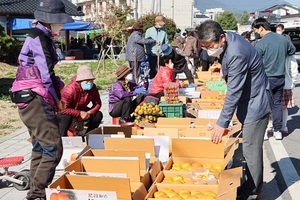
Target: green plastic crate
column 172, row 110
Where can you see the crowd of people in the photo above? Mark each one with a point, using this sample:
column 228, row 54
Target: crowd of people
column 260, row 77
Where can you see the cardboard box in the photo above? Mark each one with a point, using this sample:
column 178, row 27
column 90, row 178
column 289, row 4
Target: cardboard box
column 126, row 130
column 72, row 147
column 180, row 123
column 210, row 94
column 225, row 190
column 136, row 144
column 106, row 164
column 197, row 150
column 121, row 153
column 89, row 187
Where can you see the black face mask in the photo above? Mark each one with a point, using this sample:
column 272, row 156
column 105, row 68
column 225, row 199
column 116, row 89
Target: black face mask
column 257, row 36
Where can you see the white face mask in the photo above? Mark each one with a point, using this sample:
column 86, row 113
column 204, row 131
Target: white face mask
column 129, row 77
column 215, row 52
column 171, row 66
column 55, row 28
column 279, row 32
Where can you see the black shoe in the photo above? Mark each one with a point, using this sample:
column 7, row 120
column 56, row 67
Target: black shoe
column 124, row 120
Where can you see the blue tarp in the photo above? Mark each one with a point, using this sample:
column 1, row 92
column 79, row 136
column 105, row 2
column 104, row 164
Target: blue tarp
column 20, row 23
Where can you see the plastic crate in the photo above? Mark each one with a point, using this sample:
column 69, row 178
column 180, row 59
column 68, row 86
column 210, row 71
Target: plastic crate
column 172, row 110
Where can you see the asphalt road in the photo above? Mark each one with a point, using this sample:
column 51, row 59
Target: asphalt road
column 281, row 159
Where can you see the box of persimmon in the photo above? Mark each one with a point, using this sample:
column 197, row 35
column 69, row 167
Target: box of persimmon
column 190, row 153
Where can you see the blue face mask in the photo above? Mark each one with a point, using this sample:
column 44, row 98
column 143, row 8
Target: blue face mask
column 86, row 86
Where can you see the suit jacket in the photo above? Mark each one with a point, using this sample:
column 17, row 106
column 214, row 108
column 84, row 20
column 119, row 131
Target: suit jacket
column 248, row 90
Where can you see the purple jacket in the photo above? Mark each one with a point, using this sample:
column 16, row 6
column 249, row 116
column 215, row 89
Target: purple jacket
column 118, row 92
column 36, row 66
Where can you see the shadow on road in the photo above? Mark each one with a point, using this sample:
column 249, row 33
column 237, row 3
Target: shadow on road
column 279, row 179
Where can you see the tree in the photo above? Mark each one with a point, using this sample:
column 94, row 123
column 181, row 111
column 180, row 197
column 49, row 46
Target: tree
column 244, row 18
column 227, row 20
column 148, row 21
column 9, row 48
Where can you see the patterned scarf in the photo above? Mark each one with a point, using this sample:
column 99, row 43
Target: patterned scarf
column 126, row 85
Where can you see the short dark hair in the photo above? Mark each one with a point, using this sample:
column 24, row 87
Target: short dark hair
column 261, row 22
column 209, row 31
column 163, row 60
column 280, row 26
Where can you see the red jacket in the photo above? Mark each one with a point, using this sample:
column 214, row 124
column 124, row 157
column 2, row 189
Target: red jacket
column 76, row 99
column 164, row 75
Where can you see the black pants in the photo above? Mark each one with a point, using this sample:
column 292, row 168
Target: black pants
column 66, row 120
column 153, row 66
column 185, row 70
column 126, row 106
column 204, row 64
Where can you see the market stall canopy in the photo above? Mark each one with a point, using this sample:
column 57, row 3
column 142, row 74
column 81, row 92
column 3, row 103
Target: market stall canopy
column 21, row 24
column 27, row 7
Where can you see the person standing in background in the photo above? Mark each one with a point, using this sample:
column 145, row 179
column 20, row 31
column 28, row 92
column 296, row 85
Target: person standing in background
column 178, row 39
column 274, row 49
column 36, row 91
column 280, row 31
column 135, row 52
column 158, row 33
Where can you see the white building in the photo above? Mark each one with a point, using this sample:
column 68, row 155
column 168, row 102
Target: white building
column 181, row 11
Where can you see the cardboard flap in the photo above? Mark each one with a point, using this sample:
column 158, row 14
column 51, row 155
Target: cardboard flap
column 122, row 153
column 155, row 170
column 172, row 122
column 140, row 193
column 196, row 148
column 229, row 155
column 171, row 132
column 127, row 165
column 138, row 144
column 127, row 131
column 81, row 182
column 230, row 181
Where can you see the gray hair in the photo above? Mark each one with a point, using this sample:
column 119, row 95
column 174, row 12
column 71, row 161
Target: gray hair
column 209, row 31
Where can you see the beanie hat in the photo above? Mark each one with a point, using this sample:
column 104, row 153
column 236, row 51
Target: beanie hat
column 122, row 71
column 84, row 73
column 52, row 12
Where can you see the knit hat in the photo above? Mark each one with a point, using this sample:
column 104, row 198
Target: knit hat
column 122, row 71
column 52, row 12
column 137, row 26
column 84, row 73
column 160, row 20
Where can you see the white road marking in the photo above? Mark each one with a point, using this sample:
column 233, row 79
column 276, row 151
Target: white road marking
column 289, row 173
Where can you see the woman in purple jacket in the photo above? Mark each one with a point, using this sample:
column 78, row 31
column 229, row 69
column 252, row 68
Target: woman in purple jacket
column 36, row 91
column 121, row 96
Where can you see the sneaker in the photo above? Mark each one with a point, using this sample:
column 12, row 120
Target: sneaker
column 277, row 135
column 285, row 131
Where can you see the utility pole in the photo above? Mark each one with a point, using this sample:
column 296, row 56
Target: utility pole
column 135, row 14
column 173, row 10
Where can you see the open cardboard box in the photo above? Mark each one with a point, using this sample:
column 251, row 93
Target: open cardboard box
column 111, row 166
column 202, row 151
column 121, row 153
column 225, row 190
column 136, row 144
column 93, row 187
